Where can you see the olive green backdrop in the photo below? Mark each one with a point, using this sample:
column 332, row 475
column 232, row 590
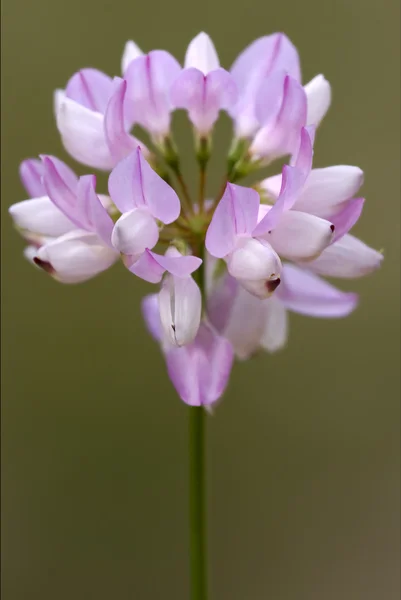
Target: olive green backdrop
column 303, row 452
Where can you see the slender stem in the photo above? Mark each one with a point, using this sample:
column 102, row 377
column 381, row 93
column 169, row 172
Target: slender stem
column 185, row 191
column 197, row 475
column 197, row 503
column 202, row 187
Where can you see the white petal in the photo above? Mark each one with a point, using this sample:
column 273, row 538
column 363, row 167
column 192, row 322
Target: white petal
column 201, row 54
column 253, row 260
column 318, row 93
column 300, row 236
column 180, row 306
column 275, row 332
column 347, row 258
column 134, row 232
column 58, row 98
column 82, row 133
column 326, row 189
column 131, row 52
column 76, row 256
column 41, row 217
column 256, row 266
column 245, row 324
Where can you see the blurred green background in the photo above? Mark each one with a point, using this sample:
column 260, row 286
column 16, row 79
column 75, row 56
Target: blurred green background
column 303, row 453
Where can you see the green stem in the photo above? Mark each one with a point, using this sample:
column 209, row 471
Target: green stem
column 197, row 503
column 197, row 475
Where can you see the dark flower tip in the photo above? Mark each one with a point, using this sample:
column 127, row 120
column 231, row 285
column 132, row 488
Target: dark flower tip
column 272, row 284
column 46, row 266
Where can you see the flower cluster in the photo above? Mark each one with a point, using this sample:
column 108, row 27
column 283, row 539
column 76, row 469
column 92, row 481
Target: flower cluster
column 229, row 268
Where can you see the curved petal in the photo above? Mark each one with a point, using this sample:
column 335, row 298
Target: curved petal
column 134, row 184
column 236, row 214
column 90, row 88
column 31, row 174
column 281, row 135
column 61, row 185
column 82, row 133
column 131, row 52
column 41, row 217
column 201, row 54
column 318, row 94
column 305, row 293
column 300, row 236
column 256, row 266
column 75, row 257
column 347, row 258
column 97, row 218
column 134, row 232
column 203, row 96
column 119, row 141
column 275, row 328
column 149, row 81
column 347, row 217
column 269, row 98
column 327, row 189
column 201, row 370
column 177, row 265
column 151, row 315
column 238, row 315
column 264, row 57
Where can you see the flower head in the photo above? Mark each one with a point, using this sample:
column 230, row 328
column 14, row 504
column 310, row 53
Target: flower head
column 231, row 268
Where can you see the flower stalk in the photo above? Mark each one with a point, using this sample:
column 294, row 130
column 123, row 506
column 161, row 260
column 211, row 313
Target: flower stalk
column 197, row 503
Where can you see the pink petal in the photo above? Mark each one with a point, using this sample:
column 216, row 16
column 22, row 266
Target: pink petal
column 269, row 98
column 179, row 266
column 131, row 52
column 151, row 315
column 200, row 371
column 147, row 268
column 300, row 236
column 41, row 217
column 203, row 96
column 31, row 172
column 237, row 315
column 318, row 93
column 149, row 81
column 119, row 141
column 97, row 217
column 236, row 214
column 280, row 136
column 292, row 182
column 347, row 258
column 61, row 185
column 347, row 217
column 262, row 58
column 82, row 133
column 134, row 184
column 90, row 88
column 201, row 54
column 305, row 293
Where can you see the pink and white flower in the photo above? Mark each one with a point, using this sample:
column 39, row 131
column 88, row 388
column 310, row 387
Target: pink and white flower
column 231, row 268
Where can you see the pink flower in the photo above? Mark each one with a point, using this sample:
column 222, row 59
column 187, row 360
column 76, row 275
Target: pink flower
column 203, row 88
column 250, row 323
column 230, row 268
column 69, row 228
column 92, row 119
column 200, row 370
